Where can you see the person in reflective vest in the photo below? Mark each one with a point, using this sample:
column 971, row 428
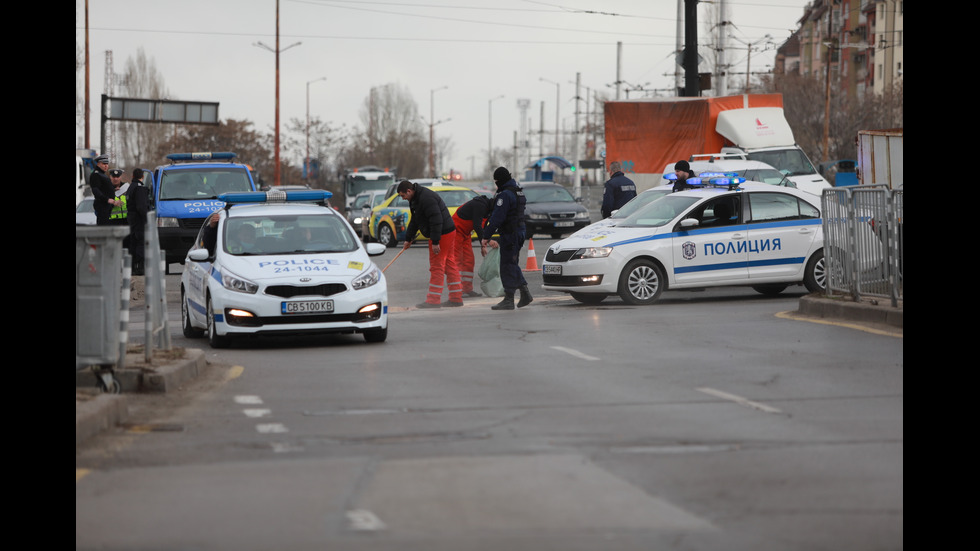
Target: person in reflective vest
column 118, row 215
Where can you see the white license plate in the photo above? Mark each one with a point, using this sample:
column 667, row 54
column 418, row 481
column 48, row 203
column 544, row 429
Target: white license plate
column 564, row 224
column 552, row 269
column 307, row 307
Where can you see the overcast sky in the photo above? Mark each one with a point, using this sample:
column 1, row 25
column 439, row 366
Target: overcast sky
column 469, row 51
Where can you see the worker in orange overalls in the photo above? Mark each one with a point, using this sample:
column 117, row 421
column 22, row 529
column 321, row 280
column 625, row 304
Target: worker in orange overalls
column 431, row 217
column 469, row 217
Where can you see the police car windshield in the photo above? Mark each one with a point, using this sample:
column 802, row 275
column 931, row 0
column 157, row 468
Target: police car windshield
column 548, row 194
column 659, row 212
column 202, row 183
column 639, row 202
column 287, row 234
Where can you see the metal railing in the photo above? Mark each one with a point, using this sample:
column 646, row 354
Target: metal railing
column 863, row 241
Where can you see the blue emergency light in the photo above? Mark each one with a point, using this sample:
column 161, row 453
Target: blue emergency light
column 276, row 196
column 202, row 156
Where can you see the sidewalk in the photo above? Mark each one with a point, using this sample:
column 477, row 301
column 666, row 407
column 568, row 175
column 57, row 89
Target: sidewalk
column 96, row 412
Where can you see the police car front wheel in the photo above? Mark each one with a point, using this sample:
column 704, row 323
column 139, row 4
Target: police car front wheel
column 641, row 282
column 214, row 339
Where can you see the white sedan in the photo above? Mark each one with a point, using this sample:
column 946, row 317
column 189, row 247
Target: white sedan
column 721, row 234
column 263, row 266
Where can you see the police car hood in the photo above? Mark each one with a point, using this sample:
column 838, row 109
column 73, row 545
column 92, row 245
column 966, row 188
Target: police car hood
column 604, row 223
column 607, row 236
column 312, row 267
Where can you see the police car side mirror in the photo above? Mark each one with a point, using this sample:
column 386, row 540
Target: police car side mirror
column 376, row 249
column 199, row 255
column 690, row 223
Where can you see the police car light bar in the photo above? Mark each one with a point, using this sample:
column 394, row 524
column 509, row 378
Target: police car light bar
column 202, row 156
column 276, row 196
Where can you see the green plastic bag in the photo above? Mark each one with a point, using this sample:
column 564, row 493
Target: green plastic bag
column 490, row 274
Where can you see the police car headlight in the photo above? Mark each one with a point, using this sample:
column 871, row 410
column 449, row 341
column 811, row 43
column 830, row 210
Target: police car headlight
column 233, row 282
column 367, row 279
column 167, row 222
column 592, row 252
column 537, row 216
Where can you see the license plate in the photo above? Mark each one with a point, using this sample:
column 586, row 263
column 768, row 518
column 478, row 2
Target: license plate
column 552, row 269
column 564, row 224
column 307, row 307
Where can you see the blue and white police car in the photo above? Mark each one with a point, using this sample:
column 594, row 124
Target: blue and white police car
column 281, row 262
column 723, row 232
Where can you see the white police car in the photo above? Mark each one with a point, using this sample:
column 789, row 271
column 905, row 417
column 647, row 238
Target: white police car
column 724, row 232
column 281, row 262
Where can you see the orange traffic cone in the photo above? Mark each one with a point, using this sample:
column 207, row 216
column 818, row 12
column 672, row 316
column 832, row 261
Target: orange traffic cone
column 532, row 260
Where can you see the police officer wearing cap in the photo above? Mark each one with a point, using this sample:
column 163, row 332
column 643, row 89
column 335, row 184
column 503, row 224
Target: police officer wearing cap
column 103, row 192
column 507, row 219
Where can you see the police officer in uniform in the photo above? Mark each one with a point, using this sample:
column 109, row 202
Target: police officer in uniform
column 619, row 190
column 136, row 207
column 507, row 219
column 102, row 190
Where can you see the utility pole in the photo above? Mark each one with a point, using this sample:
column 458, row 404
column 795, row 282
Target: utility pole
column 277, row 51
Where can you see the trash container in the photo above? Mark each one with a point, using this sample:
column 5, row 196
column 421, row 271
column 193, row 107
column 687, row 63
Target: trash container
column 98, row 278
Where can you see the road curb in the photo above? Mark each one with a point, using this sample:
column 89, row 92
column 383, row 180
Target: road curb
column 864, row 311
column 96, row 412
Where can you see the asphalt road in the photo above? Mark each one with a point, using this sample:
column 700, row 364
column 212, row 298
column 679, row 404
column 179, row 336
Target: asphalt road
column 705, row 421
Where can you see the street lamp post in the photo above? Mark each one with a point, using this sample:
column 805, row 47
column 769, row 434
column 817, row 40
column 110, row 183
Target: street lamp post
column 557, row 110
column 432, row 124
column 306, row 166
column 490, row 132
column 277, row 51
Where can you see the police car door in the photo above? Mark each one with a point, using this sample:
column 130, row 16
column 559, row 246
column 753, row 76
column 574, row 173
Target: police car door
column 781, row 230
column 197, row 277
column 715, row 249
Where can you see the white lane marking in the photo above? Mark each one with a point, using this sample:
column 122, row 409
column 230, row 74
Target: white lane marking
column 285, row 447
column 575, row 353
column 268, row 428
column 245, row 399
column 739, row 400
column 257, row 412
column 364, row 521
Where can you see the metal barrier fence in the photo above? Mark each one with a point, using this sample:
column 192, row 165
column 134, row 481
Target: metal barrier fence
column 863, row 241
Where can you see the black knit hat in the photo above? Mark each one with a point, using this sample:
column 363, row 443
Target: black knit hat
column 501, row 175
column 682, row 165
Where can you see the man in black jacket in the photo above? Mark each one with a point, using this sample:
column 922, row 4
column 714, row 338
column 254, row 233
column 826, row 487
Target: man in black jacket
column 103, row 192
column 431, row 217
column 619, row 190
column 136, row 207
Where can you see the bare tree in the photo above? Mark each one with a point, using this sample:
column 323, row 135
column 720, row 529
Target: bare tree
column 140, row 80
column 325, row 143
column 252, row 147
column 392, row 137
column 805, row 106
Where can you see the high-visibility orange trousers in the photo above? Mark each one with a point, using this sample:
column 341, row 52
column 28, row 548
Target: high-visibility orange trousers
column 463, row 243
column 443, row 272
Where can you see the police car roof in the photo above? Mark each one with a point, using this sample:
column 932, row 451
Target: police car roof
column 273, row 209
